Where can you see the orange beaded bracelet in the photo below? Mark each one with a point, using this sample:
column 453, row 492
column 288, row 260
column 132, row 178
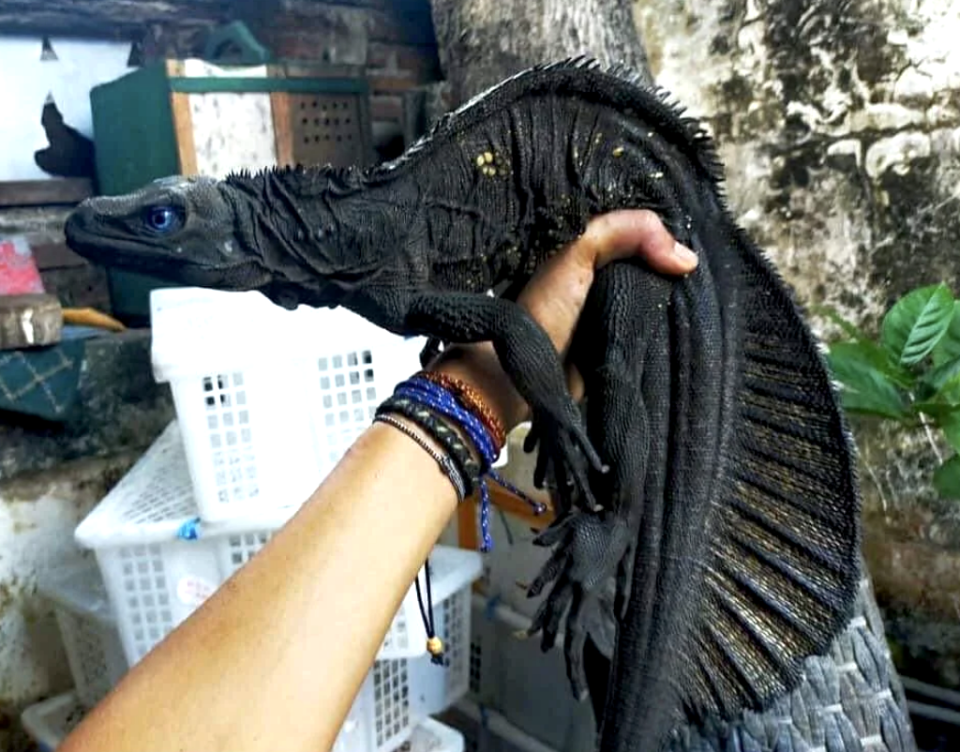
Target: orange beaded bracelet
column 471, row 400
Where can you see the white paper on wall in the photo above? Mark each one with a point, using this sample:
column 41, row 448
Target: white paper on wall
column 26, row 80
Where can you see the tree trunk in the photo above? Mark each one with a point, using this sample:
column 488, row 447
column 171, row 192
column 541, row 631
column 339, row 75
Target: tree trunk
column 485, row 41
column 482, row 42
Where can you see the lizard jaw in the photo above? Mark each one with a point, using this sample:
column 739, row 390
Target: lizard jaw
column 173, row 265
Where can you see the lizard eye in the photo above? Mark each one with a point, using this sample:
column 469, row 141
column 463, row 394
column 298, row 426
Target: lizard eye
column 163, row 219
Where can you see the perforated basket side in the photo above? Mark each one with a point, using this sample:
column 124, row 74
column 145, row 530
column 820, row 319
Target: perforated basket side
column 248, row 436
column 149, row 503
column 393, row 716
column 407, row 636
column 350, row 380
column 451, row 569
column 435, row 688
column 155, row 586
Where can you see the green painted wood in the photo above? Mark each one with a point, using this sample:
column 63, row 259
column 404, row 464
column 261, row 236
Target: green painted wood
column 135, row 143
column 243, row 85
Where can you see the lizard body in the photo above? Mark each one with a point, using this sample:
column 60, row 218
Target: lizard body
column 728, row 511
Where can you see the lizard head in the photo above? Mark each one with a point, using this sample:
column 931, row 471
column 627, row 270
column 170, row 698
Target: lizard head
column 183, row 229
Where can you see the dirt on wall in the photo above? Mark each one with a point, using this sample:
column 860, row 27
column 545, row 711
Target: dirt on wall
column 839, row 122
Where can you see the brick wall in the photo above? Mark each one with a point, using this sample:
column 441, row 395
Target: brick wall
column 393, row 41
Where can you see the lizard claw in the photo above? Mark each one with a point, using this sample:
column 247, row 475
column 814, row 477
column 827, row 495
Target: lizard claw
column 558, row 454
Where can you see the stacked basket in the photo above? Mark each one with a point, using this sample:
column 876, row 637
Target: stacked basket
column 267, row 401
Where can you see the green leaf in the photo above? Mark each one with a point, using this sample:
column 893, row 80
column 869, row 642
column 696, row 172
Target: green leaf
column 949, row 423
column 939, row 381
column 946, row 478
column 866, row 389
column 917, row 322
column 948, row 347
column 848, row 327
column 937, row 410
column 914, row 326
column 870, row 354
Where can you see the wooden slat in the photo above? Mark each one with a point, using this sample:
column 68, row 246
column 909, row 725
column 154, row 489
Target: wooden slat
column 183, row 128
column 282, row 128
column 513, row 504
column 45, row 192
column 55, row 256
column 110, row 19
column 467, row 534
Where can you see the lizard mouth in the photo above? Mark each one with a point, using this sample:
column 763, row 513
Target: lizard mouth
column 173, row 265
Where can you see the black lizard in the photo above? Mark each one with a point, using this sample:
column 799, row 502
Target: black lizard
column 731, row 515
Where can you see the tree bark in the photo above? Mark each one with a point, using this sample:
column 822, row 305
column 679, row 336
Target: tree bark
column 482, row 42
column 485, row 41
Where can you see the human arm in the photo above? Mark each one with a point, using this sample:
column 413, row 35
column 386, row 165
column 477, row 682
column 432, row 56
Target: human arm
column 277, row 654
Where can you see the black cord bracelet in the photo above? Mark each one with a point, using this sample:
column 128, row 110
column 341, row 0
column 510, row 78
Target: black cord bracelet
column 438, row 430
column 446, row 463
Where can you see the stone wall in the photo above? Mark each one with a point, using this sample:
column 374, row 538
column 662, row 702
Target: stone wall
column 839, row 123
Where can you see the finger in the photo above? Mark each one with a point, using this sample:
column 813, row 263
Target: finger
column 548, row 572
column 557, row 291
column 629, row 233
column 555, row 295
column 575, row 382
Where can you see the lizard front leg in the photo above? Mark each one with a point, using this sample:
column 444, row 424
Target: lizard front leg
column 528, row 357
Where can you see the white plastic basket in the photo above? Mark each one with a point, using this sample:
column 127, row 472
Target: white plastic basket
column 434, row 687
column 87, row 628
column 527, row 687
column 48, row 723
column 268, row 399
column 156, row 576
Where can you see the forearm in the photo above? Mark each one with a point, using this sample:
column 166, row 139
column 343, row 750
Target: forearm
column 291, row 636
column 276, row 655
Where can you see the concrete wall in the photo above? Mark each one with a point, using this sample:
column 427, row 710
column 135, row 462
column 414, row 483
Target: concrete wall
column 840, row 127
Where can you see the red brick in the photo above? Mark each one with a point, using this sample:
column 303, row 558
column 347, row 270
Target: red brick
column 421, row 60
column 394, row 83
column 386, row 107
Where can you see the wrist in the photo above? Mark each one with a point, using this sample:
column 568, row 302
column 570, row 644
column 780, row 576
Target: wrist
column 479, row 366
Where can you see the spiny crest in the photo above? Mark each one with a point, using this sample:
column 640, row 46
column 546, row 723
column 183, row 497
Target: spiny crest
column 303, row 177
column 654, row 101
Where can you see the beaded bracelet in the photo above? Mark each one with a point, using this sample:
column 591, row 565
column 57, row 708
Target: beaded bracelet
column 470, row 398
column 420, row 400
column 467, row 466
column 447, row 465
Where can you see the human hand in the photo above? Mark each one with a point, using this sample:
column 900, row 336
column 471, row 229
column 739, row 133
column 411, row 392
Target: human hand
column 556, row 294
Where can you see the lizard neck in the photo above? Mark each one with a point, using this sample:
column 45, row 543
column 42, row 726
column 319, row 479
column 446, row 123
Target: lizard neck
column 312, row 226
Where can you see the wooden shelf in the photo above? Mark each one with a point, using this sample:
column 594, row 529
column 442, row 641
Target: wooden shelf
column 64, row 191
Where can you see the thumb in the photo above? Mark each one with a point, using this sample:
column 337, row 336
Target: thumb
column 629, row 232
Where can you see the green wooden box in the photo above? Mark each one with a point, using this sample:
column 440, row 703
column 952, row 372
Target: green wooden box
column 193, row 117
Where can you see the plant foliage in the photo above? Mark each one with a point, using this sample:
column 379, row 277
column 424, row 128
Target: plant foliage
column 910, row 374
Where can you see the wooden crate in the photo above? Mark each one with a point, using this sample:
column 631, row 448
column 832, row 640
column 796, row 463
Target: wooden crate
column 193, row 117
